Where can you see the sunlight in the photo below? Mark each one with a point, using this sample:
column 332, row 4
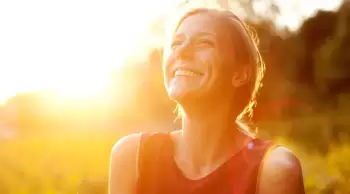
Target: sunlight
column 294, row 11
column 86, row 85
column 3, row 99
column 70, row 46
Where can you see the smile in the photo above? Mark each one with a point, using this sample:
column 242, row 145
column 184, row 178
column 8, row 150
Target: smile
column 182, row 72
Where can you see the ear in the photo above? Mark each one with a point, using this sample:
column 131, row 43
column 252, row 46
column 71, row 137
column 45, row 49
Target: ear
column 241, row 77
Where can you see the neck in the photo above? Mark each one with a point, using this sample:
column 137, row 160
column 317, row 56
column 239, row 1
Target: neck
column 208, row 134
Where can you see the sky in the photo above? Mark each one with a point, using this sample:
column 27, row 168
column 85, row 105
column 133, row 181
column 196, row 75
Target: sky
column 71, row 46
column 294, row 11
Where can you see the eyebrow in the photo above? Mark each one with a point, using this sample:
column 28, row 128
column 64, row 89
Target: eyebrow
column 197, row 34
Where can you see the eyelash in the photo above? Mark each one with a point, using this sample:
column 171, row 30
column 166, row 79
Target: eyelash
column 206, row 42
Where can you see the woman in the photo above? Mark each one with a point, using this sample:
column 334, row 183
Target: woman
column 213, row 70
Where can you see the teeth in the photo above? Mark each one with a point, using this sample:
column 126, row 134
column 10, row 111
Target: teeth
column 186, row 73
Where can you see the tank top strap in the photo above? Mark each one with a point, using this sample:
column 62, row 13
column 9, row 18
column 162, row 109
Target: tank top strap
column 153, row 148
column 253, row 160
column 151, row 145
column 267, row 147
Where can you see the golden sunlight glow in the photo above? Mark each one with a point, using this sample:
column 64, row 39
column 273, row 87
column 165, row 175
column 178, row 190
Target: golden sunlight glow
column 86, row 84
column 71, row 46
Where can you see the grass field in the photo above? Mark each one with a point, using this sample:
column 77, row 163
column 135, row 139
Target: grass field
column 63, row 164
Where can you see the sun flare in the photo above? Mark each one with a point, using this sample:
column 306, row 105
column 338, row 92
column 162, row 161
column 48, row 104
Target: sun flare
column 69, row 46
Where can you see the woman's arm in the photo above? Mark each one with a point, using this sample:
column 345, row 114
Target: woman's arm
column 123, row 165
column 281, row 173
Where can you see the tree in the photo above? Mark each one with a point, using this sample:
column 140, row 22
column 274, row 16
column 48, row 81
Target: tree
column 332, row 70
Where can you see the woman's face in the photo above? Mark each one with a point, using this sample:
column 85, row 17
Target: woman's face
column 194, row 67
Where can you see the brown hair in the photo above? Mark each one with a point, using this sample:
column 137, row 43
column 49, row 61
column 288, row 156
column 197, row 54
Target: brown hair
column 245, row 98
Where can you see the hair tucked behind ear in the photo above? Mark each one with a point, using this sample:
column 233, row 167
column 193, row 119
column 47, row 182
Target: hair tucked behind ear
column 251, row 90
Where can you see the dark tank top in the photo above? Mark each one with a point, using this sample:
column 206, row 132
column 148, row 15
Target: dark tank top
column 159, row 174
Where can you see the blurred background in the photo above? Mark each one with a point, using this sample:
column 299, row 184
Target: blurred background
column 75, row 76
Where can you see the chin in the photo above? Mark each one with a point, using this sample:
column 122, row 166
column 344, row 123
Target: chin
column 183, row 96
column 177, row 96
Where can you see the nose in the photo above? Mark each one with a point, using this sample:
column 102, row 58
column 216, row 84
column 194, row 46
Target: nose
column 185, row 51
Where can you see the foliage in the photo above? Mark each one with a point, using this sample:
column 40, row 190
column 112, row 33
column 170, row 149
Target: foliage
column 55, row 164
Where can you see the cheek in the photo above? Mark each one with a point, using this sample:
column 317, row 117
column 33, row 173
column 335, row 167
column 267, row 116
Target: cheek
column 209, row 58
column 220, row 71
column 213, row 63
column 167, row 62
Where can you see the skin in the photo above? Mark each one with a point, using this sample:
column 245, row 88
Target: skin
column 206, row 100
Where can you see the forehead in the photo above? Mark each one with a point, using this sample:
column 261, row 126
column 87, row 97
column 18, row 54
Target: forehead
column 200, row 23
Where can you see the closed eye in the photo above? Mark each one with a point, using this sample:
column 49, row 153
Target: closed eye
column 175, row 43
column 205, row 43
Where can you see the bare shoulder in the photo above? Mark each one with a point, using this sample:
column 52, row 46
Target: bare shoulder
column 283, row 159
column 123, row 165
column 126, row 145
column 125, row 151
column 281, row 173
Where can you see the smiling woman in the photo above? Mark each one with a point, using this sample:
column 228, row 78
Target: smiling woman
column 213, row 70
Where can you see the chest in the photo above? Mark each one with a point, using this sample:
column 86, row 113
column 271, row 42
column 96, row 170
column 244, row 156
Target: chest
column 159, row 174
column 234, row 177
